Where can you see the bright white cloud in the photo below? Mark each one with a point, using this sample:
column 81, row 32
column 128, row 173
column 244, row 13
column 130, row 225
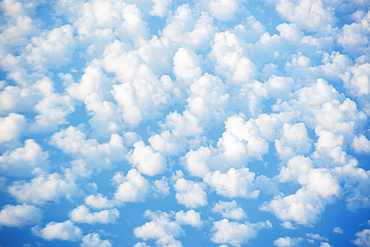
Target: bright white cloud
column 190, row 194
column 133, row 188
column 234, row 183
column 146, row 160
column 66, row 231
column 287, row 242
column 22, row 161
column 229, row 210
column 362, row 238
column 19, row 215
column 93, row 240
column 82, row 214
column 235, row 233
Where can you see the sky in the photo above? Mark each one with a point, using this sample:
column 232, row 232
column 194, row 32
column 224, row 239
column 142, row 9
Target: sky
column 219, row 123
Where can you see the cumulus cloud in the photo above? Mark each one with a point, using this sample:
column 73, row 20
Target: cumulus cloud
column 164, row 229
column 229, row 210
column 287, row 241
column 362, row 238
column 234, row 183
column 19, row 215
column 191, row 194
column 235, row 233
column 22, row 161
column 43, row 188
column 146, row 160
column 82, row 214
column 66, row 231
column 93, row 240
column 132, row 188
column 11, row 127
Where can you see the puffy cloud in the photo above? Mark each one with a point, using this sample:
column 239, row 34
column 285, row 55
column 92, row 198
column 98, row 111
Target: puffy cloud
column 146, row 160
column 98, row 201
column 73, row 142
column 11, row 127
column 186, row 65
column 311, row 15
column 160, row 7
column 337, row 230
column 294, row 140
column 287, row 242
column 165, row 230
column 235, row 233
column 357, row 80
column 354, row 36
column 132, row 188
column 363, row 238
column 53, row 49
column 234, row 183
column 224, row 10
column 93, row 240
column 22, row 161
column 229, row 210
column 303, row 207
column 279, row 86
column 66, row 231
column 82, row 214
column 43, row 188
column 188, row 218
column 19, row 215
column 190, row 194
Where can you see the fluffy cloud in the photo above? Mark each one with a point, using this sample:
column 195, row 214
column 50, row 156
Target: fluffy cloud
column 43, row 188
column 165, row 230
column 229, row 210
column 11, row 127
column 82, row 214
column 22, row 161
column 234, row 183
column 74, row 142
column 133, row 188
column 287, row 242
column 190, row 194
column 310, row 15
column 363, row 238
column 19, row 215
column 98, row 201
column 93, row 240
column 235, row 233
column 146, row 160
column 66, row 231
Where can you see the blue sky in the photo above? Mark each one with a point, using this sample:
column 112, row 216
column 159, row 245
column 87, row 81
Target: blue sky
column 174, row 123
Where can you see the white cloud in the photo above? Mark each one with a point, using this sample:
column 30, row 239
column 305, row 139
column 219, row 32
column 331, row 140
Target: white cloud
column 311, row 15
column 294, row 140
column 279, row 86
column 363, row 238
column 229, row 210
column 98, row 201
column 287, row 242
column 224, row 10
column 190, row 194
column 188, row 218
column 337, row 230
column 74, row 142
column 304, row 207
column 11, row 127
column 316, row 237
column 160, row 7
column 93, row 240
column 186, row 65
column 160, row 228
column 21, row 162
column 146, row 160
column 133, row 188
column 325, row 244
column 82, row 214
column 52, row 49
column 43, row 188
column 235, row 233
column 234, row 183
column 19, row 215
column 66, row 231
